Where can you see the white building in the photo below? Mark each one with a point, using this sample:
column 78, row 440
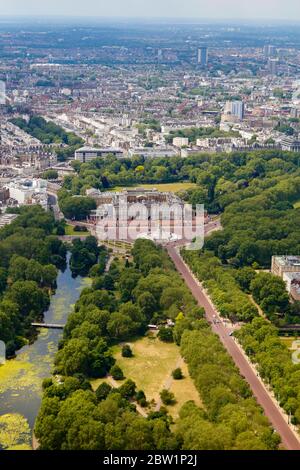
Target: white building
column 7, row 219
column 86, row 154
column 150, row 152
column 180, row 142
column 235, row 109
column 29, row 191
column 290, row 144
column 292, row 281
column 202, row 56
column 66, row 91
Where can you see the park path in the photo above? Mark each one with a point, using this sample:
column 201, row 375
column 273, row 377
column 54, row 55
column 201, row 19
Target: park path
column 260, row 311
column 168, row 382
column 276, row 416
column 109, row 263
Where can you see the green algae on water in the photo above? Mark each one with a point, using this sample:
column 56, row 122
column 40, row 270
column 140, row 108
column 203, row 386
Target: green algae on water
column 14, row 432
column 16, row 375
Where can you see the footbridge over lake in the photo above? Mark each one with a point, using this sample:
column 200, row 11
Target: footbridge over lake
column 53, row 326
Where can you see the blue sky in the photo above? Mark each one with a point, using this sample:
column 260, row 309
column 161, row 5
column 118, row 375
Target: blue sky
column 269, row 9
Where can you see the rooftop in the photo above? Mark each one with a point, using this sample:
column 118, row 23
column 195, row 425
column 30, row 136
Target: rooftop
column 288, row 260
column 7, row 219
column 93, row 149
column 292, row 276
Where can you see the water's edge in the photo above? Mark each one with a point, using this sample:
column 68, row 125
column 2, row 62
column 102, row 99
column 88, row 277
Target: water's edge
column 21, row 378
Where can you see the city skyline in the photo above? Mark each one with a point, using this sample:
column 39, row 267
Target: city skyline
column 198, row 9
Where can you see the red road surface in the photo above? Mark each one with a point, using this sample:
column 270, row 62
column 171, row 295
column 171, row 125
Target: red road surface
column 288, row 437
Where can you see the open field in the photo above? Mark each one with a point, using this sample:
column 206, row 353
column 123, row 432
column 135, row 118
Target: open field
column 151, row 365
column 118, row 245
column 184, row 390
column 71, row 232
column 96, row 382
column 151, row 369
column 167, row 187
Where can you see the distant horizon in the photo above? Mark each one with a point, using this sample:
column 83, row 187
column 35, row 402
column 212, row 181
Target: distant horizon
column 175, row 19
column 216, row 10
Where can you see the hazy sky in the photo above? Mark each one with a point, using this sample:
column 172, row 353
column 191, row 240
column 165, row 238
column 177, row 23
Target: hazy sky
column 270, row 9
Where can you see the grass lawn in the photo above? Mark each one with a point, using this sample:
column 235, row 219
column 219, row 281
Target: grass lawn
column 168, row 187
column 96, row 382
column 153, row 361
column 150, row 369
column 71, row 232
column 122, row 245
column 184, row 390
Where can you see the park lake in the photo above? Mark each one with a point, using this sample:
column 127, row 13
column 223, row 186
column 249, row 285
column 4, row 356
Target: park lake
column 21, row 378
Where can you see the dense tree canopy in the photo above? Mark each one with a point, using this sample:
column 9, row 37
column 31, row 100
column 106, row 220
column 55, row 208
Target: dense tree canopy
column 47, row 132
column 261, row 342
column 232, row 419
column 75, row 207
column 74, row 417
column 29, row 258
column 84, row 256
